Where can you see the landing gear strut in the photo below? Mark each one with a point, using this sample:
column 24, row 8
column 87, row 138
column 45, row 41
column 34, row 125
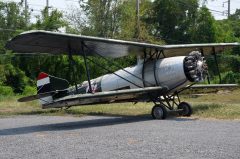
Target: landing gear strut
column 170, row 103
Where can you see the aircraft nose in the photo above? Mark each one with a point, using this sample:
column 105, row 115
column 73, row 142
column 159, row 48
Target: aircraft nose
column 195, row 67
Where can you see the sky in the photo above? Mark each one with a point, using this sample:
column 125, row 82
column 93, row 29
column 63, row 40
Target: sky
column 222, row 6
column 217, row 7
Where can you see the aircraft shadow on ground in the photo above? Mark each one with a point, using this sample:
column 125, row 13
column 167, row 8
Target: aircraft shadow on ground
column 82, row 124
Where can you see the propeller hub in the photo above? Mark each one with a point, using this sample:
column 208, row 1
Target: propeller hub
column 195, row 67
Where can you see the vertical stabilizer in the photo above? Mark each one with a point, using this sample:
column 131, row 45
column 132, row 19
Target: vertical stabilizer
column 43, row 86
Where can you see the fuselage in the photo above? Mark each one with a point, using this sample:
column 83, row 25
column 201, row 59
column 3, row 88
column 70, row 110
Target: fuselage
column 171, row 73
column 167, row 72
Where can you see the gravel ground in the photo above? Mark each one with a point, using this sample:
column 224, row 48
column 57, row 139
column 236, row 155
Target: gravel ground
column 46, row 137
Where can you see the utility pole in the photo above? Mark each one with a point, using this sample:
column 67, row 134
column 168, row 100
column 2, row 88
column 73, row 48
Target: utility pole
column 47, row 6
column 26, row 11
column 137, row 11
column 229, row 8
column 137, row 19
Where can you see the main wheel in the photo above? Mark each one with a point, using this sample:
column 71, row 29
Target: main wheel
column 159, row 112
column 186, row 109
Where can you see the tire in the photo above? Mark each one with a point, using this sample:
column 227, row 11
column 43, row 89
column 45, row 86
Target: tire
column 159, row 112
column 187, row 109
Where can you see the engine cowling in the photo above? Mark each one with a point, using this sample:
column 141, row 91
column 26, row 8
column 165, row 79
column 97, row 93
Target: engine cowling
column 195, row 67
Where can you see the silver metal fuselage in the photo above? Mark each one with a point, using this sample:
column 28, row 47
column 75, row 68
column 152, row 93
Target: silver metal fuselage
column 167, row 72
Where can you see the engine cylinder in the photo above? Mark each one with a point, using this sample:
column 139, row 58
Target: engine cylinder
column 195, row 67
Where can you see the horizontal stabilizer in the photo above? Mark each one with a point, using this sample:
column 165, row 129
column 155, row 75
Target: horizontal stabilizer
column 39, row 96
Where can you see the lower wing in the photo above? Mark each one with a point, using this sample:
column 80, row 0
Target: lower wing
column 129, row 95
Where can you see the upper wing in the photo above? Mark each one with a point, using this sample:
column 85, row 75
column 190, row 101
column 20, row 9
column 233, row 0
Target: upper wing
column 59, row 43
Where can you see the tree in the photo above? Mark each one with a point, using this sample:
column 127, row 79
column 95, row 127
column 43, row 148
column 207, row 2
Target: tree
column 109, row 18
column 97, row 17
column 172, row 19
column 12, row 22
column 235, row 23
column 204, row 29
column 51, row 22
column 129, row 29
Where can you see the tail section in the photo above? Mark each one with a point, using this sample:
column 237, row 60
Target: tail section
column 47, row 83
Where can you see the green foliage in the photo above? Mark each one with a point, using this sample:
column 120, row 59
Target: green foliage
column 235, row 23
column 29, row 90
column 2, row 76
column 224, row 32
column 50, row 21
column 15, row 78
column 230, row 63
column 173, row 19
column 102, row 17
column 12, row 22
column 231, row 77
column 110, row 18
column 204, row 30
column 6, row 91
column 127, row 20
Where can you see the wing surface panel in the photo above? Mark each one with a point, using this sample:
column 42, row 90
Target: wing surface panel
column 200, row 86
column 108, row 97
column 210, row 88
column 59, row 43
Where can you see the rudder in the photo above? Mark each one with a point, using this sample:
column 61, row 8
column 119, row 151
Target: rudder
column 47, row 83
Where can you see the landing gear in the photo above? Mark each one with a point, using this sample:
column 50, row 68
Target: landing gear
column 186, row 109
column 170, row 104
column 159, row 112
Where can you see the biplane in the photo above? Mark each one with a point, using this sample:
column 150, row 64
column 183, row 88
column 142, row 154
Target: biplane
column 161, row 72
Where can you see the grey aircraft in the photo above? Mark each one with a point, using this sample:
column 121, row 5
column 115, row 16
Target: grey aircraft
column 161, row 72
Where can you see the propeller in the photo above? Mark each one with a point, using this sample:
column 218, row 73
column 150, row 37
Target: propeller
column 195, row 67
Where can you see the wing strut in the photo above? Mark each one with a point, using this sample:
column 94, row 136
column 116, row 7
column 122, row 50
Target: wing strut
column 120, row 67
column 86, row 67
column 216, row 62
column 143, row 68
column 71, row 61
column 113, row 73
column 208, row 78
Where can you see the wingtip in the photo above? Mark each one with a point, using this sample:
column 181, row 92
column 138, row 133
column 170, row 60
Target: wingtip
column 23, row 99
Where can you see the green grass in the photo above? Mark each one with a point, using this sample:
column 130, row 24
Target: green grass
column 221, row 105
column 225, row 105
column 217, row 111
column 9, row 106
